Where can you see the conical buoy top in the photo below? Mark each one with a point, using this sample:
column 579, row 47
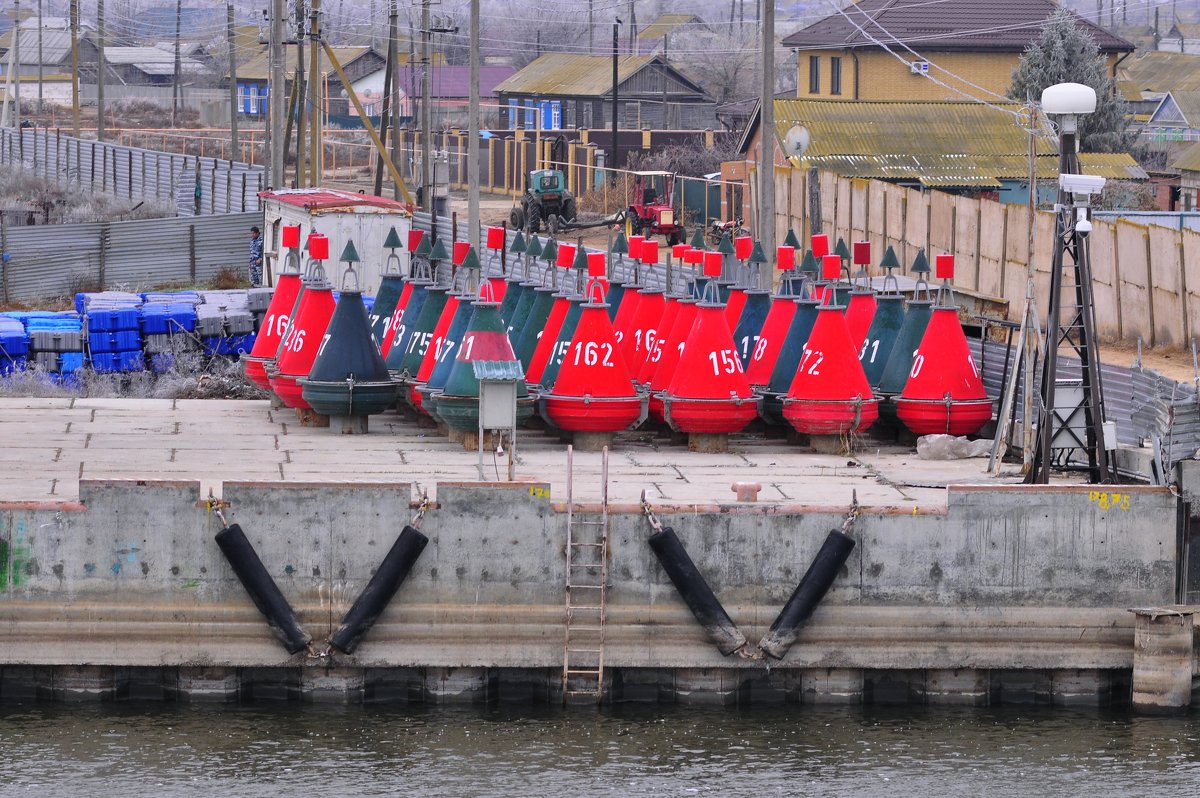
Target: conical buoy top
column 534, row 250
column 392, row 241
column 698, row 239
column 438, row 251
column 423, row 246
column 620, row 244
column 889, row 261
column 920, row 264
column 791, row 240
column 518, row 244
column 550, row 251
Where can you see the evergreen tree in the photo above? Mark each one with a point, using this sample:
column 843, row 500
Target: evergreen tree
column 1066, row 54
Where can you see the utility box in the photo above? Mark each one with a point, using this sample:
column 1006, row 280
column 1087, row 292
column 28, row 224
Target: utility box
column 340, row 215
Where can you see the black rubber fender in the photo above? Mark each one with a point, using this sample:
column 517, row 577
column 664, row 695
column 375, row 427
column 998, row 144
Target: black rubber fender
column 695, row 592
column 387, row 579
column 808, row 594
column 262, row 588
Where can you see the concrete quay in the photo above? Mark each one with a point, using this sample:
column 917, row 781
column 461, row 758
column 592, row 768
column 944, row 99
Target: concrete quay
column 50, row 444
column 112, row 587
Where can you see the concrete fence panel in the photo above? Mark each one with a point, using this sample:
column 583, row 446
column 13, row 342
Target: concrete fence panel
column 993, row 236
column 1134, row 269
column 1167, row 285
column 941, row 224
column 966, row 242
column 859, row 213
column 1105, row 288
column 1190, row 249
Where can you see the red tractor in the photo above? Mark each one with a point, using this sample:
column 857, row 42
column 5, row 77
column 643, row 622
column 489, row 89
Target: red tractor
column 652, row 206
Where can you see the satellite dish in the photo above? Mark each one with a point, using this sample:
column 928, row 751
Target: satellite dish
column 796, row 141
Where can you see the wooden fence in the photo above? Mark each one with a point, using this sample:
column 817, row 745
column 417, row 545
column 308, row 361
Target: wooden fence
column 1146, row 278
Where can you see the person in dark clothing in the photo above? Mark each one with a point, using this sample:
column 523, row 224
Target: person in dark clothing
column 256, row 257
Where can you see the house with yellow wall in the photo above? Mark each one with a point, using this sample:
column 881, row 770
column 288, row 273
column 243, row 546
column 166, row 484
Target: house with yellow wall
column 923, row 50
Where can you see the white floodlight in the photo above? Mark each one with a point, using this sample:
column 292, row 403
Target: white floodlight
column 1081, row 184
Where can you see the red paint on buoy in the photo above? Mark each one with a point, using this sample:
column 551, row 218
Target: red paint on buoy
column 397, row 314
column 302, row 341
column 862, row 253
column 742, row 247
column 433, row 353
column 459, row 253
column 414, row 238
column 666, row 354
column 770, row 340
column 593, row 391
column 643, row 327
column 829, row 394
column 820, row 246
column 943, row 266
column 860, row 310
column 944, row 392
column 545, row 344
column 649, row 252
column 654, row 354
column 290, row 237
column 734, row 306
column 708, row 393
column 274, row 326
column 566, row 256
column 318, row 246
column 495, row 238
column 785, row 258
column 713, row 261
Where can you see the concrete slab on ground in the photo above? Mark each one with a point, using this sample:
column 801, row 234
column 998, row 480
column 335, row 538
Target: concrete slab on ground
column 50, row 443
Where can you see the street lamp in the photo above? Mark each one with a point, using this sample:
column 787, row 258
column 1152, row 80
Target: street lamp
column 1072, row 324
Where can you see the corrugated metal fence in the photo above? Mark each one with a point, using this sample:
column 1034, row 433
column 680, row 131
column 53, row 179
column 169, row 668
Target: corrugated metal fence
column 193, row 185
column 59, row 260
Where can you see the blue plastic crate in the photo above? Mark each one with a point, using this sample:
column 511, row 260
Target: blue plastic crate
column 124, row 341
column 70, row 362
column 168, row 318
column 112, row 319
column 14, row 341
column 105, row 362
column 234, row 345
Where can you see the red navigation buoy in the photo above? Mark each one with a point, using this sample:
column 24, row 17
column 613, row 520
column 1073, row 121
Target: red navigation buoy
column 761, row 360
column 279, row 312
column 433, row 354
column 829, row 394
column 549, row 337
column 708, row 394
column 302, row 339
column 593, row 391
column 664, row 358
column 944, row 392
column 643, row 327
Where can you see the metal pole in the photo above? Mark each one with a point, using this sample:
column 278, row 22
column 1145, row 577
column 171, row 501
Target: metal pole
column 177, row 80
column 315, row 91
column 473, row 134
column 426, row 113
column 17, row 73
column 275, row 94
column 75, row 67
column 766, row 161
column 39, row 40
column 234, row 149
column 301, row 96
column 100, row 70
column 385, row 115
column 616, row 144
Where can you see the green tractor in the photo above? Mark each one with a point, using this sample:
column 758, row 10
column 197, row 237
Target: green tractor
column 545, row 199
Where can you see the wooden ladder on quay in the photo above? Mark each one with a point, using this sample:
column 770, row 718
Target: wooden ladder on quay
column 586, row 593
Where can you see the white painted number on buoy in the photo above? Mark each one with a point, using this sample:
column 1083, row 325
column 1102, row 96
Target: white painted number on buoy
column 873, row 346
column 594, row 354
column 641, row 337
column 726, row 361
column 468, row 345
column 324, row 341
column 296, row 340
column 971, row 363
column 280, row 324
column 443, row 350
column 746, row 339
column 760, row 349
column 918, row 362
column 399, row 336
column 816, row 357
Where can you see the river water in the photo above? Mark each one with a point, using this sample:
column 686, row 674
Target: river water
column 161, row 750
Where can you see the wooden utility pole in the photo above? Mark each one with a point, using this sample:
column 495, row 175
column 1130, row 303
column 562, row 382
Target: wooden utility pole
column 301, row 95
column 40, row 71
column 275, row 93
column 16, row 45
column 473, row 134
column 177, row 79
column 385, row 116
column 616, row 144
column 234, row 149
column 317, row 95
column 664, row 80
column 75, row 67
column 426, row 113
column 766, row 159
column 101, row 69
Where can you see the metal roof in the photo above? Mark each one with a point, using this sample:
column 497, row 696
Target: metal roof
column 565, row 74
column 936, row 143
column 666, row 24
column 1189, row 160
column 331, row 199
column 455, row 81
column 498, row 370
column 933, row 25
column 258, row 67
column 56, row 45
column 1160, row 71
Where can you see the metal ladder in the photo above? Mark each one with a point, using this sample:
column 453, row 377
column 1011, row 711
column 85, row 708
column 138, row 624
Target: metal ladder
column 586, row 593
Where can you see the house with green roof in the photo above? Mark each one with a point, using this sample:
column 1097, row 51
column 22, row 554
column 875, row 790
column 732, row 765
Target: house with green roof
column 562, row 90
